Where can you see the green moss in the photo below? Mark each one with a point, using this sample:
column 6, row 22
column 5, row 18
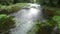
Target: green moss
column 11, row 8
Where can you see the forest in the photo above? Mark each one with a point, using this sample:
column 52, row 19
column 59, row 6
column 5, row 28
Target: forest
column 51, row 9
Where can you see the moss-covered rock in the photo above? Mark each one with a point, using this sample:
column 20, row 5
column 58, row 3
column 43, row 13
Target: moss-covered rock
column 11, row 8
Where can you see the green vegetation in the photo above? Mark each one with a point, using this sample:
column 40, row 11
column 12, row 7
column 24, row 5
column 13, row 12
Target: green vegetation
column 6, row 22
column 10, row 2
column 52, row 8
column 52, row 3
column 57, row 19
column 7, row 7
column 43, row 27
column 11, row 8
column 6, row 2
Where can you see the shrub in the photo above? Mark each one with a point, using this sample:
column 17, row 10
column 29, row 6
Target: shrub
column 6, row 2
column 43, row 27
column 11, row 8
column 57, row 19
column 6, row 22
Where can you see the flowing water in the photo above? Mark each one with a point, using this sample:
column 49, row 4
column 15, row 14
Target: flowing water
column 25, row 18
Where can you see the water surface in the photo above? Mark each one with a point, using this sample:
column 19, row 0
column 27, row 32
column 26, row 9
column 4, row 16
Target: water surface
column 25, row 19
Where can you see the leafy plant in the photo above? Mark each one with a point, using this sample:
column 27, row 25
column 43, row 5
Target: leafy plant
column 57, row 19
column 6, row 2
column 43, row 27
column 6, row 22
column 11, row 8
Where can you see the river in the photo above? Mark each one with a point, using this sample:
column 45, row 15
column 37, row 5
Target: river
column 25, row 18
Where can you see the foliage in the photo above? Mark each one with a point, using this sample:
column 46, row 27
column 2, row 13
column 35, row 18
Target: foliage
column 6, row 2
column 6, row 22
column 53, row 3
column 9, row 2
column 43, row 27
column 20, row 1
column 11, row 8
column 56, row 16
column 57, row 19
column 54, row 10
